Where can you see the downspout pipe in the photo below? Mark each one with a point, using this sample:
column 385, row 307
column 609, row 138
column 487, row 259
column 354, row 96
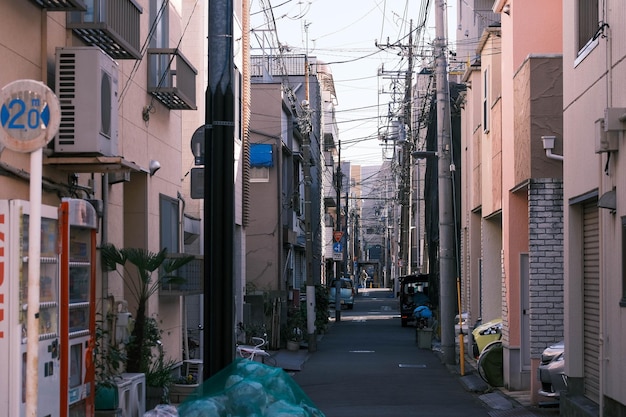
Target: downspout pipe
column 548, row 145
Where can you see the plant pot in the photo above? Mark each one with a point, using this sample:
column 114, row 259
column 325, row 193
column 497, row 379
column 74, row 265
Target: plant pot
column 181, row 392
column 155, row 396
column 109, row 413
column 106, row 397
column 293, row 346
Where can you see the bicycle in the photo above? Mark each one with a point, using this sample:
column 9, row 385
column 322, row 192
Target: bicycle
column 255, row 350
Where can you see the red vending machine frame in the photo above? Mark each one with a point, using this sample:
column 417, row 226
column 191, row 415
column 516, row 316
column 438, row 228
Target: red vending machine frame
column 78, row 224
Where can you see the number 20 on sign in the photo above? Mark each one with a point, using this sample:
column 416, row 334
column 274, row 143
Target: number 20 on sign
column 29, row 115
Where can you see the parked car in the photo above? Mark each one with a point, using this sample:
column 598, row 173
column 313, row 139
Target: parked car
column 413, row 293
column 552, row 370
column 346, row 294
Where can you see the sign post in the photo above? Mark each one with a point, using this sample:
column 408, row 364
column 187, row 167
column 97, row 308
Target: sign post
column 29, row 119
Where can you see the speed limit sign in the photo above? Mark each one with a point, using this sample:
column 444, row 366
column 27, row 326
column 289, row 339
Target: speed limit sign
column 30, row 115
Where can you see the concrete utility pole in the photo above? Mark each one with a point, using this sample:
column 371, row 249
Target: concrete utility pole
column 219, row 219
column 308, row 250
column 406, row 137
column 338, row 266
column 405, row 235
column 447, row 252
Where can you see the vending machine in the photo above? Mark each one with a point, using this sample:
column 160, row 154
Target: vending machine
column 14, row 259
column 77, row 227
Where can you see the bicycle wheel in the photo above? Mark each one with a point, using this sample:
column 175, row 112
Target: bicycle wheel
column 490, row 364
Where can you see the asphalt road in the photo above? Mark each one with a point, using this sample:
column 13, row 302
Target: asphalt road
column 367, row 364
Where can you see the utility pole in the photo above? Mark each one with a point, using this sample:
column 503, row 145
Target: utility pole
column 219, row 219
column 447, row 252
column 405, row 162
column 405, row 199
column 338, row 266
column 308, row 250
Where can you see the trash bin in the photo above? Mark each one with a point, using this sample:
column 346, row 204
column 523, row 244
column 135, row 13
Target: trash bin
column 424, row 338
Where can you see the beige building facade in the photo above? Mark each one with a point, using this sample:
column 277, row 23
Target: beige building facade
column 130, row 154
column 593, row 114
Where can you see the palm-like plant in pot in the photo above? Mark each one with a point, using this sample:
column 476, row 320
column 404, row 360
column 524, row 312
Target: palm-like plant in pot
column 108, row 363
column 138, row 267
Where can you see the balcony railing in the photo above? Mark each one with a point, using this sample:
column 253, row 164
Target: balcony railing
column 112, row 25
column 192, row 275
column 61, row 5
column 172, row 79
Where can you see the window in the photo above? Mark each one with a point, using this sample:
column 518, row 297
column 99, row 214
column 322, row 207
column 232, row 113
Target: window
column 169, row 223
column 623, row 300
column 588, row 23
column 159, row 16
column 486, row 101
column 259, row 174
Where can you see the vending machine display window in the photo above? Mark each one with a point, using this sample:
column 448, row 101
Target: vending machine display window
column 76, row 366
column 78, row 223
column 16, row 218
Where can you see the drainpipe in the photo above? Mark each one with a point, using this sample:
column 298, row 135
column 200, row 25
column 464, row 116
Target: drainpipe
column 548, row 145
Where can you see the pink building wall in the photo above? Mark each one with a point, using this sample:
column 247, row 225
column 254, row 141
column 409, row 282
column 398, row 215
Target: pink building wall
column 528, row 27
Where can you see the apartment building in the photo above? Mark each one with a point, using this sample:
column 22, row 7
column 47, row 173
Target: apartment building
column 593, row 194
column 291, row 137
column 129, row 76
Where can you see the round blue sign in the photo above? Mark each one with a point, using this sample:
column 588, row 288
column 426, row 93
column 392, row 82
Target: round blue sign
column 29, row 115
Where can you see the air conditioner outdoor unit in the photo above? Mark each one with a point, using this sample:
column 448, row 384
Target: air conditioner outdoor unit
column 86, row 85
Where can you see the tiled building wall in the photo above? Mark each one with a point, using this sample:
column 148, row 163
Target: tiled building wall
column 546, row 263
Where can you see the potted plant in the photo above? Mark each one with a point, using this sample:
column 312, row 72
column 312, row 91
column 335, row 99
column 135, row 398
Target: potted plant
column 159, row 378
column 183, row 387
column 144, row 351
column 138, row 267
column 108, row 360
column 295, row 329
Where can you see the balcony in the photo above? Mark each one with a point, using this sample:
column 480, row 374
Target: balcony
column 171, row 79
column 61, row 5
column 112, row 25
column 193, row 275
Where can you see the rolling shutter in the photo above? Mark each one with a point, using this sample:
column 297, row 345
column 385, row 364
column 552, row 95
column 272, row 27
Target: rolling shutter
column 591, row 300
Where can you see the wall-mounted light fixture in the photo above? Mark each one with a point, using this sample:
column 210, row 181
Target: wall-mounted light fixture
column 154, row 166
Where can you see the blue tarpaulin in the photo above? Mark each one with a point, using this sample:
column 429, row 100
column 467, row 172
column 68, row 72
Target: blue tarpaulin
column 261, row 155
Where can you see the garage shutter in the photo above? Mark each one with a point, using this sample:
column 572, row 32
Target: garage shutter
column 591, row 300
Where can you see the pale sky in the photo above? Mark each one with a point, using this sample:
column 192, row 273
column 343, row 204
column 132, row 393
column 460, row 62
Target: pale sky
column 344, row 34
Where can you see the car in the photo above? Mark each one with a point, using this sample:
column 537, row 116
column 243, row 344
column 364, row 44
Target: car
column 413, row 293
column 346, row 293
column 552, row 370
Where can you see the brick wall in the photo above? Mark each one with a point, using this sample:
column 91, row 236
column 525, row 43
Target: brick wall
column 546, row 263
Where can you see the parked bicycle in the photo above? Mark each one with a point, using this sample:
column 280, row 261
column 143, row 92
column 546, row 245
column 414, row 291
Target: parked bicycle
column 256, row 351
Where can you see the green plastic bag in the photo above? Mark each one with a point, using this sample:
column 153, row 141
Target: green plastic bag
column 247, row 388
